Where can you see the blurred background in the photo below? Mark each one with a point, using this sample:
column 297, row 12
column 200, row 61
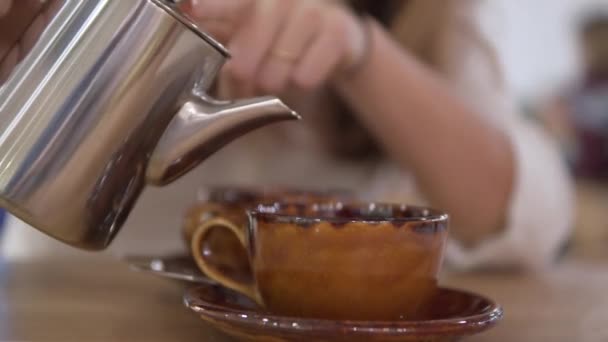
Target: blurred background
column 555, row 54
column 555, row 58
column 540, row 42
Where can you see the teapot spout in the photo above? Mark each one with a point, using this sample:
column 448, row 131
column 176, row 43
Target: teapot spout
column 204, row 125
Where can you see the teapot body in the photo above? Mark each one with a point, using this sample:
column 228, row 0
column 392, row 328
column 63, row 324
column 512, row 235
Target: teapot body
column 83, row 112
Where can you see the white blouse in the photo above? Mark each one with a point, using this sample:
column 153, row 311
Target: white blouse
column 539, row 217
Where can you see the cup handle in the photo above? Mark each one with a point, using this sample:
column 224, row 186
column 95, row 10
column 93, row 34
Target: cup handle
column 196, row 245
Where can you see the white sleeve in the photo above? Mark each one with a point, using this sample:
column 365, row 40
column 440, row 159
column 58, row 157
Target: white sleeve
column 540, row 213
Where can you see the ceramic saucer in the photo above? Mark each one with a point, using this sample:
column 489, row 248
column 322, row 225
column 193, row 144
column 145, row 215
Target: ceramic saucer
column 454, row 314
column 178, row 267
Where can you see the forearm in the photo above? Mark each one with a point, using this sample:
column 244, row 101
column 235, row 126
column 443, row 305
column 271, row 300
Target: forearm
column 462, row 163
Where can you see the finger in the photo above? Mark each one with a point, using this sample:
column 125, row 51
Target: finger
column 8, row 63
column 253, row 39
column 323, row 57
column 31, row 35
column 221, row 30
column 5, row 6
column 12, row 27
column 220, row 9
column 52, row 8
column 230, row 88
column 299, row 32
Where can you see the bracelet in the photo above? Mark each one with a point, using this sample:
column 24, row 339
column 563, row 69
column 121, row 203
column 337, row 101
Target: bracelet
column 365, row 23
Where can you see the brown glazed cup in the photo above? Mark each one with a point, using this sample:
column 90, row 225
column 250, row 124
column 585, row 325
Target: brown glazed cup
column 365, row 261
column 232, row 203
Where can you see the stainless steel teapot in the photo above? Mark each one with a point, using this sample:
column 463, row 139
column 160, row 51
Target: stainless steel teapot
column 110, row 98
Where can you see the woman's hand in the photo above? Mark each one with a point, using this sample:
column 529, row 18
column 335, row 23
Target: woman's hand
column 21, row 23
column 277, row 44
column 5, row 5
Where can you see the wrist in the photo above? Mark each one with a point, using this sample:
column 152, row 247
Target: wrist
column 360, row 45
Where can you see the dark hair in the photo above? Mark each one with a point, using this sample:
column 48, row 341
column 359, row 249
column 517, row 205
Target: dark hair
column 352, row 140
column 593, row 22
column 384, row 10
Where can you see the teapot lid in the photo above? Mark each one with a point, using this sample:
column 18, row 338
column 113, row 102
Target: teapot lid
column 170, row 6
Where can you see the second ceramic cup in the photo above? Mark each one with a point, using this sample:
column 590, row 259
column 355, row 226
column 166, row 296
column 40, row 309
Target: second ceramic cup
column 232, row 203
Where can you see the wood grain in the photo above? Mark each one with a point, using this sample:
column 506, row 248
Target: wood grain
column 93, row 300
column 100, row 299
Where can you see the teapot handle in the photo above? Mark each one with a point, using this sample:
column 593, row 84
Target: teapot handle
column 202, row 126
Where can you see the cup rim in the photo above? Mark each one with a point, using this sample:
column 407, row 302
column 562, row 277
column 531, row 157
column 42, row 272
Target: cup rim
column 272, row 212
column 244, row 193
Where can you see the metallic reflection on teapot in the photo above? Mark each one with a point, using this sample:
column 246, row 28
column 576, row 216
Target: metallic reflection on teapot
column 112, row 97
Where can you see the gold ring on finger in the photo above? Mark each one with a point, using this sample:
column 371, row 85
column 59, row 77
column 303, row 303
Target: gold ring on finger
column 285, row 55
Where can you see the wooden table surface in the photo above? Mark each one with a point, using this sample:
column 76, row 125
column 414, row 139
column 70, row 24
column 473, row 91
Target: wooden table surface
column 100, row 299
